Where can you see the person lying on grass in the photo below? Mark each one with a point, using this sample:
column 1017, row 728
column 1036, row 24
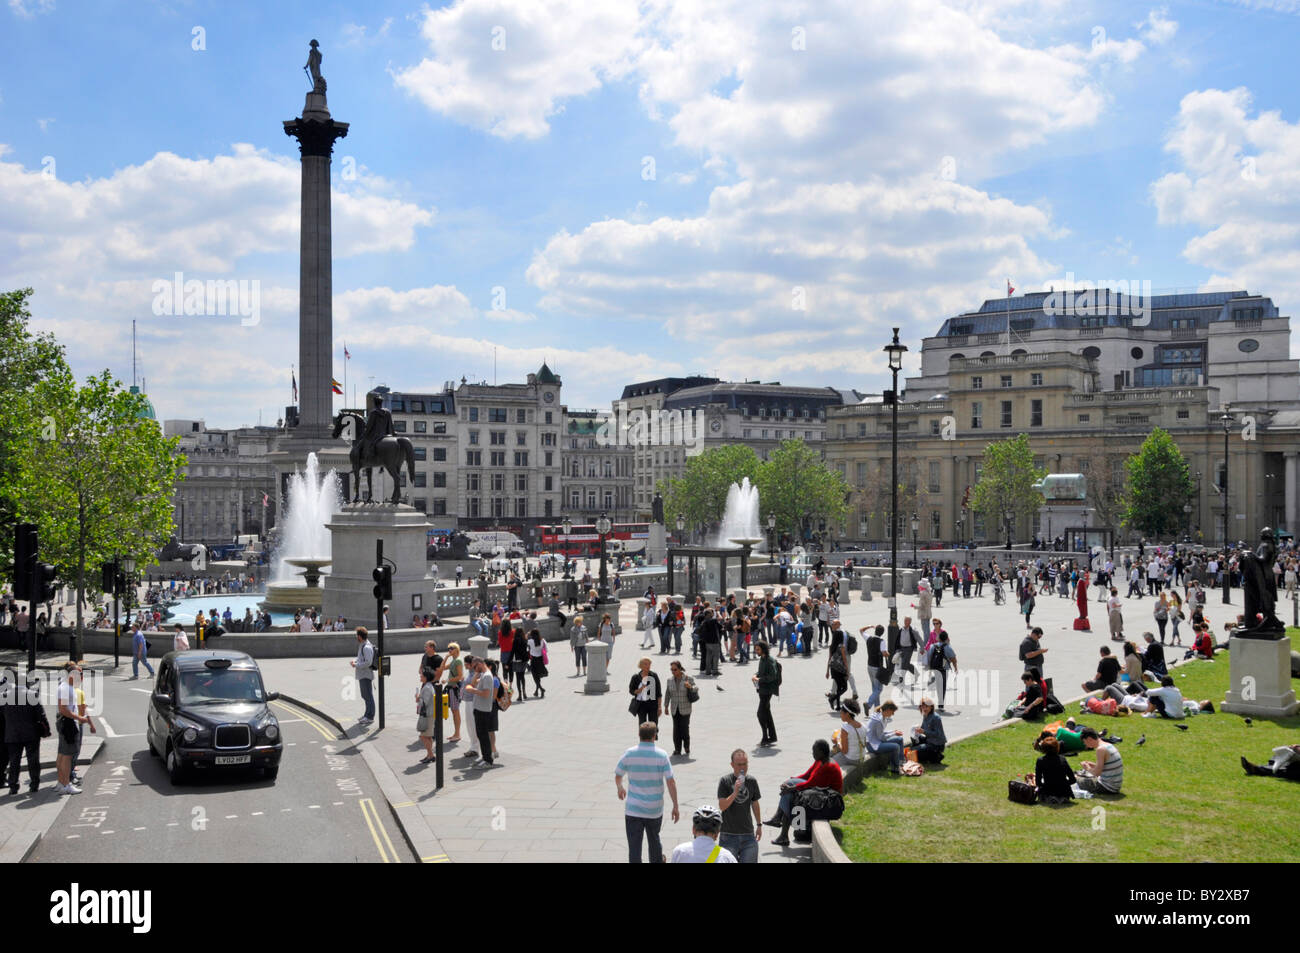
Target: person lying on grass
column 1285, row 764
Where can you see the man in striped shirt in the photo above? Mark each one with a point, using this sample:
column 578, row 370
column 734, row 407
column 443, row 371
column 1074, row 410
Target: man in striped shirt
column 648, row 770
column 1106, row 774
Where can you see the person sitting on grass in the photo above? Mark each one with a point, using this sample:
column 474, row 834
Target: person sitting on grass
column 1284, row 764
column 1165, row 701
column 1106, row 774
column 1053, row 775
column 1153, row 658
column 1031, row 699
column 1107, row 672
column 1203, row 645
column 928, row 739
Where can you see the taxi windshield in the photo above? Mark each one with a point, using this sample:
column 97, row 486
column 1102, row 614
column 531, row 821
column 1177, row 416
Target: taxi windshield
column 205, row 685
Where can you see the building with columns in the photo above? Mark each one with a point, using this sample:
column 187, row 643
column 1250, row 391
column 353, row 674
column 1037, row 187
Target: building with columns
column 226, row 476
column 1087, row 389
column 598, row 474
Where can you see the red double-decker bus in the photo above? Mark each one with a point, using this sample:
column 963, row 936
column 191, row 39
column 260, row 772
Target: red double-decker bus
column 585, row 541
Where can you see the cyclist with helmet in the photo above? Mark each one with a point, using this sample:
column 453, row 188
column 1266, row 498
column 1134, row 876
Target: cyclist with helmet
column 706, row 822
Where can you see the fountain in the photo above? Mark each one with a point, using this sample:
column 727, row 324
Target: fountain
column 313, row 500
column 740, row 516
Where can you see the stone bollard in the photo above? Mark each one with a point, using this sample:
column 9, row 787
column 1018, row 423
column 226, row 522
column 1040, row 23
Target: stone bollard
column 866, row 588
column 769, row 591
column 796, row 589
column 710, row 597
column 886, row 585
column 907, row 581
column 597, row 678
column 478, row 646
column 741, row 595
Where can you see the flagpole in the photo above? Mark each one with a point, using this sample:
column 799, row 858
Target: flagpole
column 345, row 372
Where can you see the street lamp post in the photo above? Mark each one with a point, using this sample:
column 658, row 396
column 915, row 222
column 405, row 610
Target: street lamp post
column 771, row 532
column 1227, row 574
column 916, row 526
column 1187, row 519
column 566, row 527
column 603, row 527
column 1006, row 521
column 895, row 350
column 681, row 528
column 128, row 589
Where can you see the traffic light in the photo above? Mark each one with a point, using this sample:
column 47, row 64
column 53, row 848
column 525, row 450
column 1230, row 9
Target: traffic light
column 44, row 583
column 383, row 576
column 25, row 544
column 110, row 577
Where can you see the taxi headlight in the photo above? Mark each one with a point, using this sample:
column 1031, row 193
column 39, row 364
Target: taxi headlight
column 190, row 736
column 272, row 731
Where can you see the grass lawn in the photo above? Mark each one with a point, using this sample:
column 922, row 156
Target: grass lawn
column 1185, row 796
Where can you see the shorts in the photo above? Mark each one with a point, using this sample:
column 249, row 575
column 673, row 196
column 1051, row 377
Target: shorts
column 69, row 748
column 454, row 693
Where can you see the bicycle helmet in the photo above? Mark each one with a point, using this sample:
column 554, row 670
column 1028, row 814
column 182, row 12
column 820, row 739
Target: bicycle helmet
column 707, row 818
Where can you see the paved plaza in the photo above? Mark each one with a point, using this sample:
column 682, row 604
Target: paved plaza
column 552, row 796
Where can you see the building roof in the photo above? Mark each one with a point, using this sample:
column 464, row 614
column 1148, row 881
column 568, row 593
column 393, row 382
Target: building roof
column 546, row 375
column 148, row 412
column 735, row 394
column 666, row 385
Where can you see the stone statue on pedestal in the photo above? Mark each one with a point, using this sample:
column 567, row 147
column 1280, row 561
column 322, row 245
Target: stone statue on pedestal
column 657, row 508
column 1259, row 586
column 313, row 67
column 374, row 443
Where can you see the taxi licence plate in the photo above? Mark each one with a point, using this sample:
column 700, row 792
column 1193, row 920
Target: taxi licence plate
column 233, row 759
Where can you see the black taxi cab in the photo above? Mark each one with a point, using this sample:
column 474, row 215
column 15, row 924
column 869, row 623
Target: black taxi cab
column 209, row 711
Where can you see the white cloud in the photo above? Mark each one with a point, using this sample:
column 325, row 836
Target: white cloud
column 1157, row 28
column 27, row 9
column 1240, row 181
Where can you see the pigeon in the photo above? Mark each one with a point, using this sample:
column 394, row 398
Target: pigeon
column 1181, row 727
column 719, row 688
column 1141, row 741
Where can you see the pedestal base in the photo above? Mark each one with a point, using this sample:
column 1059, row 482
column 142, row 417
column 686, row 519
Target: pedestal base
column 656, row 545
column 1082, row 625
column 348, row 589
column 597, row 677
column 1259, row 678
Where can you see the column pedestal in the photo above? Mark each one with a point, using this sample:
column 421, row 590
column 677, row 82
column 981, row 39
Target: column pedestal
column 1259, row 678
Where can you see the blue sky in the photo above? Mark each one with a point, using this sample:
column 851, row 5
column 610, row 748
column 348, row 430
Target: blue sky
column 885, row 164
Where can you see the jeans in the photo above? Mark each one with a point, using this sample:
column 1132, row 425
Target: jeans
column 677, row 639
column 580, row 656
column 743, row 846
column 786, row 805
column 712, row 656
column 925, row 628
column 665, row 639
column 650, row 826
column 481, row 627
column 876, row 687
column 941, row 675
column 765, row 721
column 367, row 689
column 893, row 750
column 482, row 719
column 136, row 661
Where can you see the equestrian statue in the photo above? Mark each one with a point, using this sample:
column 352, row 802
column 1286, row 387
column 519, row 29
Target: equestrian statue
column 375, row 444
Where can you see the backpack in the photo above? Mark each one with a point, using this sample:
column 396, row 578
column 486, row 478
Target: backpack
column 374, row 658
column 936, row 661
column 776, row 689
column 853, row 645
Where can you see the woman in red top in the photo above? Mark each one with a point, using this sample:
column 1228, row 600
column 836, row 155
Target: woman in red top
column 1204, row 643
column 824, row 773
column 506, row 643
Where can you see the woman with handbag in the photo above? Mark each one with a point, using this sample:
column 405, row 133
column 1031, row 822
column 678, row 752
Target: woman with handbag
column 425, row 713
column 929, row 740
column 537, row 661
column 680, row 694
column 455, row 667
column 824, row 773
column 646, row 692
column 519, row 656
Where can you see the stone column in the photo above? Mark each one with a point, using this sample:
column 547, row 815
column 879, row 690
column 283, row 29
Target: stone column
column 315, row 132
column 597, row 659
column 1293, row 491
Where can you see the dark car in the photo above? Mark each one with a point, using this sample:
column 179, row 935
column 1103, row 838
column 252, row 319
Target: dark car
column 209, row 711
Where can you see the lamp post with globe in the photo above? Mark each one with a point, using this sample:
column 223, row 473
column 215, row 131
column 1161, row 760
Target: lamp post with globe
column 603, row 526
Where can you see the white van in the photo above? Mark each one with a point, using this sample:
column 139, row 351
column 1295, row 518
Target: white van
column 488, row 543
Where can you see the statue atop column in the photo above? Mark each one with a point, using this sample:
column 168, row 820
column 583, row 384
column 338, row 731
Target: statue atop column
column 1259, row 586
column 313, row 67
column 657, row 508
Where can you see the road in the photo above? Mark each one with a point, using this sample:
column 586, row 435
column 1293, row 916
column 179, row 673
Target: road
column 325, row 807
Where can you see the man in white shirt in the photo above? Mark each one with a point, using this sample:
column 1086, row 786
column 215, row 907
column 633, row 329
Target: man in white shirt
column 365, row 674
column 1166, row 701
column 704, row 849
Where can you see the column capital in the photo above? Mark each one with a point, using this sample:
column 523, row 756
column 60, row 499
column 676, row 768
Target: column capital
column 315, row 137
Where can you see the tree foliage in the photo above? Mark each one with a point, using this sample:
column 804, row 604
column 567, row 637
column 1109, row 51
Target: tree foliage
column 799, row 489
column 700, row 494
column 1006, row 482
column 1159, row 484
column 1107, row 476
column 95, row 474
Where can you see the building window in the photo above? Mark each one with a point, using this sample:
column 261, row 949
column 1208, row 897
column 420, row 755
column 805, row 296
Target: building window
column 422, row 426
column 1036, row 379
column 548, row 457
column 1183, row 415
column 417, row 406
column 473, row 415
column 498, row 507
column 439, row 427
column 1006, row 380
column 1035, row 413
column 420, row 452
column 418, row 503
column 548, row 417
column 934, row 428
column 498, row 482
column 548, row 484
column 548, row 440
column 521, row 458
column 497, row 438
column 521, row 507
column 521, row 416
column 439, row 507
column 1084, row 418
column 1006, row 413
column 473, row 458
column 936, row 529
column 397, row 406
column 521, row 438
column 933, row 485
column 473, row 506
column 521, row 482
column 498, row 458
column 421, row 479
column 745, row 433
column 439, row 479
column 473, row 436
column 439, row 454
column 977, row 383
column 471, row 482
column 399, row 426
column 976, row 415
column 862, row 429
column 496, row 415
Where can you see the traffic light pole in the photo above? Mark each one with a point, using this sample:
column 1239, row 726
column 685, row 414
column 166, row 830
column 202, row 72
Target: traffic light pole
column 117, row 621
column 439, row 699
column 379, row 612
column 33, row 594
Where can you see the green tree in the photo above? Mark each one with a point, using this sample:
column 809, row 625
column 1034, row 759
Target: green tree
column 96, row 475
column 700, row 494
column 1006, row 483
column 1106, row 473
column 26, row 359
column 1158, row 486
column 799, row 489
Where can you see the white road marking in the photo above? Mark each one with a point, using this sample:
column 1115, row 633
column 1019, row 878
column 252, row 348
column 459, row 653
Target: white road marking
column 313, row 807
column 338, row 803
column 137, row 828
column 73, row 836
column 285, row 810
column 108, row 832
column 258, row 813
column 174, row 824
column 143, row 691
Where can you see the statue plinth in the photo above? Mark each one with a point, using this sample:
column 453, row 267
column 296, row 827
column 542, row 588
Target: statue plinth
column 1259, row 677
column 348, row 589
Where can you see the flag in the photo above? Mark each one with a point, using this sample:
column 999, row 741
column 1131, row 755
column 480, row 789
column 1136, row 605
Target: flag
column 265, row 500
column 346, row 355
column 294, row 378
column 336, row 386
column 1009, row 288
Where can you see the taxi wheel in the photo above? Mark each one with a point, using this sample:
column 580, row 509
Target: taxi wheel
column 175, row 767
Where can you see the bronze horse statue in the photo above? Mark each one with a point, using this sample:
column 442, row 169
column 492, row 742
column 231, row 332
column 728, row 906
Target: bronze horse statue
column 389, row 454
